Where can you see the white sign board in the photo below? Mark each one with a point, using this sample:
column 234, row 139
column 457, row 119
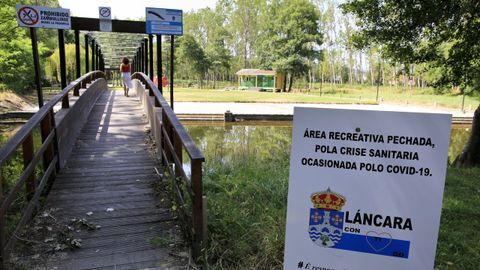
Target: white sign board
column 365, row 189
column 105, row 19
column 104, row 13
column 43, row 17
column 163, row 21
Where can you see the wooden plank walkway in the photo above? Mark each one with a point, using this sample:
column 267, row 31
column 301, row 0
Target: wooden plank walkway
column 110, row 174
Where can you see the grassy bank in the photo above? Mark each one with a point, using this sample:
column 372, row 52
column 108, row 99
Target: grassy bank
column 341, row 94
column 247, row 205
column 459, row 240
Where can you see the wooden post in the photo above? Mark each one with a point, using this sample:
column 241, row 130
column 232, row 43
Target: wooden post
column 53, row 147
column 274, row 82
column 76, row 90
column 199, row 240
column 28, row 153
column 3, row 241
column 36, row 65
column 177, row 144
column 86, row 55
column 45, row 129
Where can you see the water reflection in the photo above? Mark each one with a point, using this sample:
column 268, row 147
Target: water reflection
column 225, row 141
column 222, row 142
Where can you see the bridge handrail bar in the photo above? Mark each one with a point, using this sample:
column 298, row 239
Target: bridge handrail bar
column 12, row 144
column 174, row 139
column 48, row 152
column 192, row 150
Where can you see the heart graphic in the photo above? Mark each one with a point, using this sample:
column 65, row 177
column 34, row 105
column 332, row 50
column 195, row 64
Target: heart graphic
column 378, row 241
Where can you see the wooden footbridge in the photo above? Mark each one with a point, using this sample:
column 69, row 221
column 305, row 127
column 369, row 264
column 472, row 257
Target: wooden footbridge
column 93, row 166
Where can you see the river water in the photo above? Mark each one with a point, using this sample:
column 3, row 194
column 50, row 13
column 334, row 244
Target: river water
column 229, row 139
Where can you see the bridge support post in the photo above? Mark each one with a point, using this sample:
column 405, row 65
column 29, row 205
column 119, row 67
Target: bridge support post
column 45, row 128
column 86, row 54
column 93, row 54
column 172, row 49
column 36, row 66
column 146, row 57
column 97, row 55
column 28, row 152
column 3, row 241
column 63, row 65
column 77, row 53
column 198, row 209
column 159, row 63
column 142, row 55
column 150, row 50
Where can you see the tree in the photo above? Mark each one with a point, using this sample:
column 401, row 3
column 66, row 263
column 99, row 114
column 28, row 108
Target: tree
column 244, row 27
column 292, row 37
column 191, row 54
column 16, row 58
column 442, row 33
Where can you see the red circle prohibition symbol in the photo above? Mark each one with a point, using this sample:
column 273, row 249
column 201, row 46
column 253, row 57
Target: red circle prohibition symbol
column 28, row 15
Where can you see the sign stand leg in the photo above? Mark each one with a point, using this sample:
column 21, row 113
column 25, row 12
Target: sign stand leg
column 36, row 65
column 159, row 63
column 172, row 47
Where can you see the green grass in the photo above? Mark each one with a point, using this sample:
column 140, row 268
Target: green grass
column 341, row 94
column 459, row 239
column 247, row 204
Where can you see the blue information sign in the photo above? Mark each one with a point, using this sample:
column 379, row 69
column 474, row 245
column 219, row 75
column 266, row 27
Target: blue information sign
column 163, row 21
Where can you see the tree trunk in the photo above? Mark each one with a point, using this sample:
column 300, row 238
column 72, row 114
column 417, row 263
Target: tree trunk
column 321, row 82
column 470, row 156
column 214, row 79
column 290, row 84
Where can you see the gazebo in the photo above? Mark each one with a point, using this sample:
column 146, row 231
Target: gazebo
column 260, row 79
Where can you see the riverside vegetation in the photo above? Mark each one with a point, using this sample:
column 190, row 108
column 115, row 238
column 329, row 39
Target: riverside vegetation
column 246, row 179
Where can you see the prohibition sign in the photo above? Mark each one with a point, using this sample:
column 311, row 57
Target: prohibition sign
column 28, row 15
column 105, row 12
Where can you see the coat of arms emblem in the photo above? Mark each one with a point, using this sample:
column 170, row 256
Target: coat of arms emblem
column 326, row 220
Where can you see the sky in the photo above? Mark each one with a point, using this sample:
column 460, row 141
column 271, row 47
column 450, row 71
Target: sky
column 135, row 9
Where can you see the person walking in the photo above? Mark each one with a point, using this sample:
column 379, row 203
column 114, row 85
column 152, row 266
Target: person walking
column 125, row 69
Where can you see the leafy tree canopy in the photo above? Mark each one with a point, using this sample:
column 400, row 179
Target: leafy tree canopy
column 444, row 33
column 292, row 37
column 15, row 47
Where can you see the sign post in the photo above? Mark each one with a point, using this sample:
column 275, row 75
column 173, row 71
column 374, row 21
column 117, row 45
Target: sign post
column 105, row 16
column 365, row 189
column 161, row 21
column 41, row 17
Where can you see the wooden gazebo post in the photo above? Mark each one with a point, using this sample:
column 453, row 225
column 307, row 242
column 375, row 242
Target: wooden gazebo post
column 274, row 82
